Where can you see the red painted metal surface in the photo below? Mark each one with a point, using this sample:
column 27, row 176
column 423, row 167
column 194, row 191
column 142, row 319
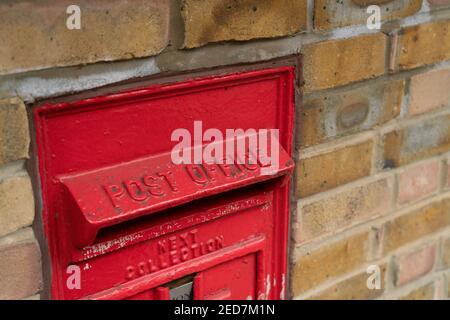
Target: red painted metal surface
column 117, row 207
column 114, row 194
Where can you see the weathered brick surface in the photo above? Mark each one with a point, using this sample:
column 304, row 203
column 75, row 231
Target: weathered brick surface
column 366, row 3
column 20, row 265
column 335, row 63
column 344, row 209
column 418, row 181
column 330, row 14
column 413, row 265
column 339, row 114
column 416, row 224
column 422, row 293
column 438, row 3
column 329, row 261
column 14, row 135
column 16, row 204
column 429, row 91
column 448, row 172
column 446, row 253
column 329, row 170
column 448, row 287
column 424, row 44
column 417, row 141
column 440, row 290
column 218, row 20
column 354, row 288
column 38, row 37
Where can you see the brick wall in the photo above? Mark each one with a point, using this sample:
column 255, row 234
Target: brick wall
column 20, row 262
column 372, row 135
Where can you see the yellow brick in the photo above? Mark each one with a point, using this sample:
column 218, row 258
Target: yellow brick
column 417, row 141
column 448, row 288
column 354, row 288
column 329, row 170
column 446, row 253
column 330, row 14
column 16, row 203
column 14, row 135
column 329, row 261
column 345, row 209
column 414, row 225
column 220, row 20
column 339, row 114
column 335, row 63
column 424, row 44
column 423, row 293
column 38, row 37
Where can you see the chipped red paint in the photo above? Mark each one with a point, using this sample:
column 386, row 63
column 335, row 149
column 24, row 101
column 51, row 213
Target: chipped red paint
column 99, row 160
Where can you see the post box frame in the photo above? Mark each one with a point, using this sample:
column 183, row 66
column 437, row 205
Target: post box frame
column 56, row 105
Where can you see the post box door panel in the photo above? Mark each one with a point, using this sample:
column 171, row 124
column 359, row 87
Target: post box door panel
column 225, row 232
column 116, row 207
column 237, row 279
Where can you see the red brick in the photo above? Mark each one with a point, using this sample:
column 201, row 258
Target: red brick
column 418, row 181
column 429, row 91
column 414, row 265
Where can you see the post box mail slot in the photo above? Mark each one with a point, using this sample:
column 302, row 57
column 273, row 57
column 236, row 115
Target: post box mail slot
column 124, row 220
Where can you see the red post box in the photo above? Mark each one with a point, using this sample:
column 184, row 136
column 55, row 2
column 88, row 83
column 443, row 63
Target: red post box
column 136, row 225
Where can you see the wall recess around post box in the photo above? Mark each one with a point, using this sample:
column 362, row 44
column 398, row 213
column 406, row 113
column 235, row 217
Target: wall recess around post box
column 136, row 224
